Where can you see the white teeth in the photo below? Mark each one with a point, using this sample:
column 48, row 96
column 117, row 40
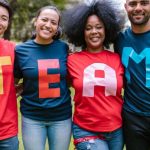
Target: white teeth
column 46, row 31
column 94, row 39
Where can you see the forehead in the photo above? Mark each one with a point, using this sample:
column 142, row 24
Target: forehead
column 137, row 1
column 50, row 13
column 94, row 19
column 4, row 11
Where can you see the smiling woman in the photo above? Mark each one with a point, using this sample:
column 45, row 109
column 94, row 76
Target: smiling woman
column 41, row 62
column 96, row 75
column 46, row 25
column 94, row 34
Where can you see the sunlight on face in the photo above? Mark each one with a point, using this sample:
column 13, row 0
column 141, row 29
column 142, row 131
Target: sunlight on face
column 94, row 34
column 46, row 26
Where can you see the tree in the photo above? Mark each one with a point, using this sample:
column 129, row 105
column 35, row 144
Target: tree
column 20, row 28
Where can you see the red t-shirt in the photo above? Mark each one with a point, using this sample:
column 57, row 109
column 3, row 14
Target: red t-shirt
column 98, row 81
column 8, row 102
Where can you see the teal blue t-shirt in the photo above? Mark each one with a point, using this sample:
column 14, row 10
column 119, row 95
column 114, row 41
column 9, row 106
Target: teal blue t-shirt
column 134, row 50
column 45, row 96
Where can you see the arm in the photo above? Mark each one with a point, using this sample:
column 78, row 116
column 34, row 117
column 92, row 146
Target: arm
column 18, row 86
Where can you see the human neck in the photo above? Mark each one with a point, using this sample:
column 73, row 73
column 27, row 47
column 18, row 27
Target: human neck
column 43, row 42
column 141, row 28
column 95, row 50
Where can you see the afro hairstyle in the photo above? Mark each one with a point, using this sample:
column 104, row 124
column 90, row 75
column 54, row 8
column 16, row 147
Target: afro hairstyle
column 75, row 18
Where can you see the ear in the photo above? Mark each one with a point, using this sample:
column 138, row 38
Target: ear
column 125, row 6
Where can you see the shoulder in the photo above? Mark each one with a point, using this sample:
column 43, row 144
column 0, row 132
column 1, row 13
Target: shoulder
column 75, row 55
column 60, row 45
column 124, row 33
column 122, row 36
column 24, row 45
column 7, row 46
column 112, row 55
column 113, row 59
column 61, row 42
column 7, row 43
column 29, row 42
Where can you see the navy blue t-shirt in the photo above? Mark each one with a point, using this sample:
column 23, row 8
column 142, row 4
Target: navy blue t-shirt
column 45, row 96
column 134, row 50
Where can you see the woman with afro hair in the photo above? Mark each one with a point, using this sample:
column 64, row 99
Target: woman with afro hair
column 96, row 75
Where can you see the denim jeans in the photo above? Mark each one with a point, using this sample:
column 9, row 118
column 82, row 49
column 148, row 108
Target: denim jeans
column 35, row 133
column 112, row 140
column 9, row 144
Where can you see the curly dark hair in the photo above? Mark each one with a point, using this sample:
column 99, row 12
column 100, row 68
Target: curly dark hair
column 74, row 21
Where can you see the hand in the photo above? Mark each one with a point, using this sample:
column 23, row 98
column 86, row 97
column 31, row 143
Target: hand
column 19, row 89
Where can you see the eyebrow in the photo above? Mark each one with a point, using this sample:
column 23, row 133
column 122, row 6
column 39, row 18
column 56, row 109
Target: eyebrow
column 5, row 16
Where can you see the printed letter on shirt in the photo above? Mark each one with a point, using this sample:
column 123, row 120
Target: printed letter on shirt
column 129, row 52
column 109, row 80
column 45, row 79
column 5, row 60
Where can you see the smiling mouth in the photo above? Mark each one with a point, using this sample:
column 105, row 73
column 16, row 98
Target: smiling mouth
column 94, row 39
column 138, row 16
column 46, row 31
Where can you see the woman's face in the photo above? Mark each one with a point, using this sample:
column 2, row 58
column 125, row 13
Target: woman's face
column 94, row 34
column 4, row 19
column 46, row 26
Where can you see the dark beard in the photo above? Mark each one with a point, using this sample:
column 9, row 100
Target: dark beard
column 142, row 22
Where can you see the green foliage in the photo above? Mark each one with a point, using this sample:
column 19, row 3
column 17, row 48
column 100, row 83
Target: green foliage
column 24, row 11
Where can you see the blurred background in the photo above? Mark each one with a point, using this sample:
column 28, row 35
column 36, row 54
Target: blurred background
column 21, row 25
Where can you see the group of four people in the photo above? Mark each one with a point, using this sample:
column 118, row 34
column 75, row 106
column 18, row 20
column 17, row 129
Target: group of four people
column 96, row 74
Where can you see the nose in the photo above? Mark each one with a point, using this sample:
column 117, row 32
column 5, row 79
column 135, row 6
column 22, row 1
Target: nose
column 94, row 30
column 48, row 24
column 138, row 7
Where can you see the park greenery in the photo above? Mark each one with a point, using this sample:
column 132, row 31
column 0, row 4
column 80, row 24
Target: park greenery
column 21, row 25
column 24, row 11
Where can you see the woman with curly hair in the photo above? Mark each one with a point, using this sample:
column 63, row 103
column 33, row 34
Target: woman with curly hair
column 96, row 75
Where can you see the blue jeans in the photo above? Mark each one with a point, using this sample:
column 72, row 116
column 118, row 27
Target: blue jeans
column 9, row 144
column 112, row 140
column 35, row 133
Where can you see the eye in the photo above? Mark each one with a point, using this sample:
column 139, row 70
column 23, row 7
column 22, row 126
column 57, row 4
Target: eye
column 87, row 28
column 144, row 3
column 4, row 18
column 44, row 19
column 99, row 27
column 132, row 4
column 54, row 22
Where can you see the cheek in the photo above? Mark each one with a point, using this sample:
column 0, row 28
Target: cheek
column 37, row 27
column 104, row 35
column 55, row 29
column 5, row 26
column 86, row 36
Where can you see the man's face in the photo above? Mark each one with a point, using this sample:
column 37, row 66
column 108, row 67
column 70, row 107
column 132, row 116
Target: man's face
column 4, row 19
column 138, row 11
